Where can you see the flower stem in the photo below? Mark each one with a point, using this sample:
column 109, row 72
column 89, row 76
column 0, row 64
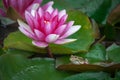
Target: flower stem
column 49, row 52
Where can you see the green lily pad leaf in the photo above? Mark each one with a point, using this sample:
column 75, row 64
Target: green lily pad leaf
column 117, row 75
column 112, row 47
column 62, row 61
column 16, row 51
column 96, row 53
column 113, row 53
column 17, row 67
column 1, row 5
column 101, row 13
column 90, row 76
column 1, row 51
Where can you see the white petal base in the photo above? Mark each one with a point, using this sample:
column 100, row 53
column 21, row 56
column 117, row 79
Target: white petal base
column 40, row 44
column 51, row 38
column 64, row 41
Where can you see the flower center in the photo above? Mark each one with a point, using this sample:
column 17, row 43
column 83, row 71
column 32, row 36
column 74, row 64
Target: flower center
column 46, row 22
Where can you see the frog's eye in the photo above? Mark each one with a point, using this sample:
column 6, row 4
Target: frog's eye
column 75, row 56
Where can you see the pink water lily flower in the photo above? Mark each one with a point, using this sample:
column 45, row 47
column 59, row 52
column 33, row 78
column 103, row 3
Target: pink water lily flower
column 47, row 25
column 20, row 5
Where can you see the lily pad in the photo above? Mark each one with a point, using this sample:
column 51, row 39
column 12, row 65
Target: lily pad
column 17, row 67
column 117, row 76
column 1, row 3
column 96, row 53
column 17, row 51
column 113, row 53
column 90, row 76
column 1, row 51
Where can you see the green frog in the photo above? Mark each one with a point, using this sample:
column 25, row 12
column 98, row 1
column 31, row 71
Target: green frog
column 78, row 60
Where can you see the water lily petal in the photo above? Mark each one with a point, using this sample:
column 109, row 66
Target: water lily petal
column 62, row 20
column 47, row 16
column 21, row 5
column 54, row 13
column 60, row 29
column 6, row 3
column 37, row 1
column 71, row 31
column 64, row 41
column 2, row 13
column 69, row 24
column 62, row 13
column 40, row 12
column 40, row 44
column 27, row 33
column 34, row 8
column 47, row 27
column 29, row 19
column 49, row 9
column 24, row 25
column 39, row 34
column 51, row 38
column 47, row 5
